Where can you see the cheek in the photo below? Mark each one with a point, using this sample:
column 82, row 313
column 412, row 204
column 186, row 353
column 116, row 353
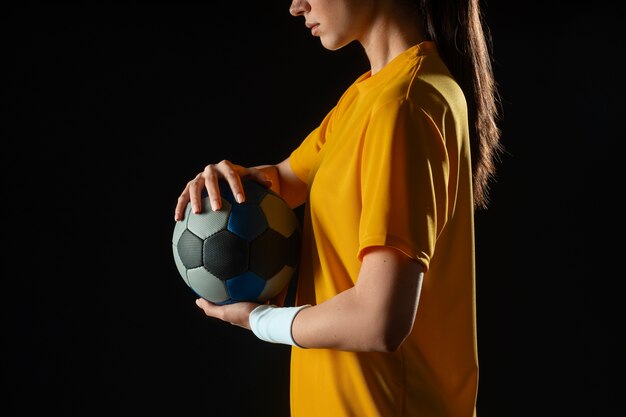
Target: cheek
column 337, row 29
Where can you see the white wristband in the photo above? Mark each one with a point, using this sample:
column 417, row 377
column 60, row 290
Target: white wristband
column 273, row 324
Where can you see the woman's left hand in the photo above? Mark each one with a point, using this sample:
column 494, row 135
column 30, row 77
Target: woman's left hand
column 236, row 313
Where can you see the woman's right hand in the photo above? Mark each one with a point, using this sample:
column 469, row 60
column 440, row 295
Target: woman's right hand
column 208, row 179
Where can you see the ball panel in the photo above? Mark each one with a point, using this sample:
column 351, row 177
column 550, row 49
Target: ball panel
column 253, row 190
column 247, row 286
column 280, row 216
column 226, row 192
column 181, row 226
column 247, row 221
column 267, row 253
column 189, row 250
column 209, row 222
column 225, row 255
column 293, row 249
column 244, row 252
column 182, row 270
column 275, row 285
column 207, row 286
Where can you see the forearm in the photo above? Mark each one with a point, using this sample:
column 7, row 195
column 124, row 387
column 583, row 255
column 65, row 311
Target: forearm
column 285, row 182
column 377, row 314
column 340, row 323
column 335, row 324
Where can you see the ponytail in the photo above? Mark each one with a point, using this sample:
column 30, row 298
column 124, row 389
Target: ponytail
column 464, row 43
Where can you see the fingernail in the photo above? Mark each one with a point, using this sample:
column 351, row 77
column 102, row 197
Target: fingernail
column 239, row 198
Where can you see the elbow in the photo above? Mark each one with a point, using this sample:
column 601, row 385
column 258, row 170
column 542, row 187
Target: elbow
column 388, row 339
column 393, row 342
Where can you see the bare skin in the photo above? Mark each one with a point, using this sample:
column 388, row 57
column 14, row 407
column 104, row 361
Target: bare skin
column 375, row 315
column 378, row 313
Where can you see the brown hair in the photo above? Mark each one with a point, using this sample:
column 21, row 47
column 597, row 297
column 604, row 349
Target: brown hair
column 464, row 42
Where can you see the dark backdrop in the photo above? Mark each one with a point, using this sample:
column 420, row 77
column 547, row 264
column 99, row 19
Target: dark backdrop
column 108, row 110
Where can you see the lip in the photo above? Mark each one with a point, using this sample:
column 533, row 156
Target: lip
column 313, row 27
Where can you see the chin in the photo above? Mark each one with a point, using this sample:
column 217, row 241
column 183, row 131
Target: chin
column 332, row 45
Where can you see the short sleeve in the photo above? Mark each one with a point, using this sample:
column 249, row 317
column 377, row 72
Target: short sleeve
column 304, row 156
column 404, row 178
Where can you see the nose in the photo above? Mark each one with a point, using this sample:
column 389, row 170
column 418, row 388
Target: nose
column 298, row 7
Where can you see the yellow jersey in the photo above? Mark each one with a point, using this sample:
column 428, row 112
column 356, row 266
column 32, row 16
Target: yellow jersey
column 390, row 165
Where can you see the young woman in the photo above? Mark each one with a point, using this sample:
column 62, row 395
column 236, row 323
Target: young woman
column 384, row 322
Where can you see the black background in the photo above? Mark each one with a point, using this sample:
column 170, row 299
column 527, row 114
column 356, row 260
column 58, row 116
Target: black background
column 108, row 110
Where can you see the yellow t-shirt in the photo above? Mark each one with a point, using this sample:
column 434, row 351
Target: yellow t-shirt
column 390, row 165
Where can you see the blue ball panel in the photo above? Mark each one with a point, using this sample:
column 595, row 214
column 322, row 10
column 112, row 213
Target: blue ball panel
column 247, row 286
column 244, row 252
column 247, row 221
column 225, row 192
column 254, row 191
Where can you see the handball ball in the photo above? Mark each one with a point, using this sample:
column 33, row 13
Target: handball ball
column 242, row 252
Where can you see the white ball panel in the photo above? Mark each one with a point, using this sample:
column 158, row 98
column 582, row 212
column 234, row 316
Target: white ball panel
column 209, row 222
column 207, row 285
column 181, row 226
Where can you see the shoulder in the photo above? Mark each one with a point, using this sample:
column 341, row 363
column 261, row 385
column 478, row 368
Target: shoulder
column 425, row 86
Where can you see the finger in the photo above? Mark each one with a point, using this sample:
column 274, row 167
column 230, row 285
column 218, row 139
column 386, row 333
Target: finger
column 206, row 306
column 232, row 174
column 181, row 204
column 194, row 192
column 211, row 178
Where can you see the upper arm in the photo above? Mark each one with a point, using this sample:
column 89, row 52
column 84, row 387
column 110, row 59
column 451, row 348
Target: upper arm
column 377, row 314
column 389, row 284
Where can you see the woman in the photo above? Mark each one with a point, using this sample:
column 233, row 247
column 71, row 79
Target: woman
column 384, row 322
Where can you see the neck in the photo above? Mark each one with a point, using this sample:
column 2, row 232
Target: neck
column 389, row 35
